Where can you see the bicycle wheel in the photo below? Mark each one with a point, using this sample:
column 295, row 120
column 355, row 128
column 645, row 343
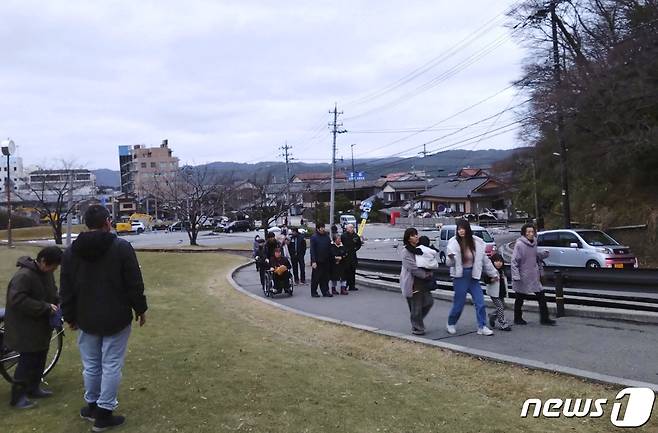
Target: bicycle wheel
column 9, row 358
column 54, row 351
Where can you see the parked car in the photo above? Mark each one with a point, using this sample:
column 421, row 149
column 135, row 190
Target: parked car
column 448, row 231
column 179, row 226
column 137, row 227
column 160, row 225
column 584, row 249
column 238, row 226
column 347, row 219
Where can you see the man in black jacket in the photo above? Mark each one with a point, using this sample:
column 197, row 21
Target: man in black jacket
column 101, row 286
column 297, row 253
column 352, row 242
column 320, row 261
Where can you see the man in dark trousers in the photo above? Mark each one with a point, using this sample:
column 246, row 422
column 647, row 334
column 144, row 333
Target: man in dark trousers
column 297, row 252
column 352, row 242
column 101, row 288
column 320, row 261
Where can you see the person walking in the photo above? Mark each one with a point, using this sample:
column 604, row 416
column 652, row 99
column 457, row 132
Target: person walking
column 320, row 261
column 101, row 288
column 497, row 290
column 297, row 252
column 526, row 275
column 414, row 282
column 467, row 261
column 31, row 301
column 352, row 242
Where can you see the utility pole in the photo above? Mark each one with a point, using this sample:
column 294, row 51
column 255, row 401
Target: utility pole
column 335, row 131
column 69, row 206
column 566, row 209
column 288, row 156
column 424, row 152
column 353, row 177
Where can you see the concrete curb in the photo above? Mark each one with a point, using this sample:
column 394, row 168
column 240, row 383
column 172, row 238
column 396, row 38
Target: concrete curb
column 642, row 317
column 537, row 365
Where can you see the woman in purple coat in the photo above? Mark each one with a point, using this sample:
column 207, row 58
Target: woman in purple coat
column 526, row 272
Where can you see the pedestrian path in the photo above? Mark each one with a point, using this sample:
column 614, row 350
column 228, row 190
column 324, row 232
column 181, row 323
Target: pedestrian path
column 619, row 352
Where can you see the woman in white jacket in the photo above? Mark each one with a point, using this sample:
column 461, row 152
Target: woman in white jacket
column 467, row 261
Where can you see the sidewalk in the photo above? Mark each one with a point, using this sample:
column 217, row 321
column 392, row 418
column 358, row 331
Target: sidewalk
column 628, row 351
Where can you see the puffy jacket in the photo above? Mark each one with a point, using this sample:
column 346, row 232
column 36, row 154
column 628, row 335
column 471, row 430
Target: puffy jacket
column 27, row 317
column 481, row 262
column 101, row 283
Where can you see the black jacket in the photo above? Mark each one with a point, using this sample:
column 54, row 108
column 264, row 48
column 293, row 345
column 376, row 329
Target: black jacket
column 338, row 266
column 27, row 316
column 101, row 283
column 320, row 248
column 297, row 245
column 352, row 244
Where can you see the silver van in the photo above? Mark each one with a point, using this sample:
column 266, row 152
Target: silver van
column 448, row 231
column 584, row 249
column 347, row 219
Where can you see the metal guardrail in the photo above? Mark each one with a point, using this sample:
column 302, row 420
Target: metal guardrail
column 573, row 277
column 610, row 297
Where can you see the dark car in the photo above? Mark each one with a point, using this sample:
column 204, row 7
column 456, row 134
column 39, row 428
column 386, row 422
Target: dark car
column 238, row 226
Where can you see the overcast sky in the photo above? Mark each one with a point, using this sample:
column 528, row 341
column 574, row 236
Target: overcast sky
column 233, row 80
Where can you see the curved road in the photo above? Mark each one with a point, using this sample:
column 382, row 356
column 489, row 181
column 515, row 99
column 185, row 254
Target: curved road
column 619, row 349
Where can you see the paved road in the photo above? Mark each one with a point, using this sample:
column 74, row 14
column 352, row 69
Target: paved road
column 613, row 348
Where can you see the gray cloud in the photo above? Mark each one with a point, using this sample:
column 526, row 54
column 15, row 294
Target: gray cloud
column 233, row 80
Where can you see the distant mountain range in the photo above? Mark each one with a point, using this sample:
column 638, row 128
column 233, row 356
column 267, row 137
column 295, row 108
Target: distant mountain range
column 440, row 163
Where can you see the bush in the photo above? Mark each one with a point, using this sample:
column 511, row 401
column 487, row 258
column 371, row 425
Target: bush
column 17, row 221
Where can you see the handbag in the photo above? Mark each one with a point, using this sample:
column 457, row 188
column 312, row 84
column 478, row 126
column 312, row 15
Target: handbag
column 56, row 319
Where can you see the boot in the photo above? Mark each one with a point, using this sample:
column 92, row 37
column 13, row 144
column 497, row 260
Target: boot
column 39, row 392
column 19, row 398
column 89, row 412
column 105, row 420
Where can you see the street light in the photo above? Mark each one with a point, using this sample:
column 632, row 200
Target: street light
column 566, row 208
column 353, row 177
column 8, row 149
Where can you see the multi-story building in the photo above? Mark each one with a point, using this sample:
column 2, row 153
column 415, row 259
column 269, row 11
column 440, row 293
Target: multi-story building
column 49, row 184
column 142, row 168
column 16, row 176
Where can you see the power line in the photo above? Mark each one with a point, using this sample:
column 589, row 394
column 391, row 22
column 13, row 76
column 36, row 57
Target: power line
column 469, row 39
column 444, row 76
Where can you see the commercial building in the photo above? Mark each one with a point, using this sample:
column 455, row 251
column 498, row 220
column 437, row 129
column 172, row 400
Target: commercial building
column 143, row 167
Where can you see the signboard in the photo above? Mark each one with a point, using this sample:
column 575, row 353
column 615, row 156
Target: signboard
column 366, row 206
column 359, row 175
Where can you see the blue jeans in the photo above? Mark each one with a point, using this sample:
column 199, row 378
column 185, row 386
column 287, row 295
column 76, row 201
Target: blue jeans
column 462, row 286
column 102, row 361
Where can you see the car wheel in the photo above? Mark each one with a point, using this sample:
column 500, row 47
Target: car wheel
column 229, row 231
column 592, row 264
column 139, row 231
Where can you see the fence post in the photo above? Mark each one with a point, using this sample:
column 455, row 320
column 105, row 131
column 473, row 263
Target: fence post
column 559, row 292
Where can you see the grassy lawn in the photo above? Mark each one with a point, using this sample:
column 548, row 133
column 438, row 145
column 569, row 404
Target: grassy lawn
column 37, row 232
column 212, row 360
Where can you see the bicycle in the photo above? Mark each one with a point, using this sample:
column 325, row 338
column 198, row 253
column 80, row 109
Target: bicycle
column 9, row 358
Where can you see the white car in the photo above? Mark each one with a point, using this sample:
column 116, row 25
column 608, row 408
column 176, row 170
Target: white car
column 137, row 227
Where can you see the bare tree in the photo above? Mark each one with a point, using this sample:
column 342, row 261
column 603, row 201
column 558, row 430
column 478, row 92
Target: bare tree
column 270, row 203
column 56, row 192
column 193, row 195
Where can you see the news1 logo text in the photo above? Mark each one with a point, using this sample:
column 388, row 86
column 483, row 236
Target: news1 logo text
column 638, row 407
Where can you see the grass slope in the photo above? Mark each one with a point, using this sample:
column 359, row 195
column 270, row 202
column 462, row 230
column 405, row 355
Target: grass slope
column 212, row 360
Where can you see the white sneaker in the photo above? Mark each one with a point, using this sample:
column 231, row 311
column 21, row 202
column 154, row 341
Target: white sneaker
column 451, row 329
column 485, row 331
